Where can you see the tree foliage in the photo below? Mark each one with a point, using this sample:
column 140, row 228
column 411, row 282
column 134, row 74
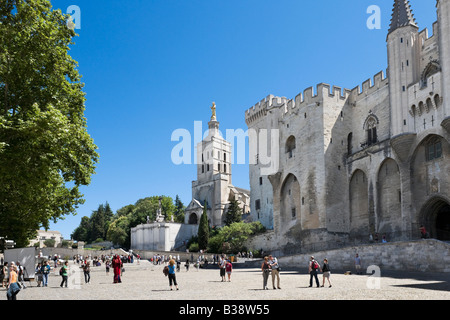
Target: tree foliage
column 203, row 229
column 104, row 224
column 46, row 153
column 234, row 213
column 234, row 236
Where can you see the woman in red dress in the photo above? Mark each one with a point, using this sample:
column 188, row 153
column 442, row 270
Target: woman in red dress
column 117, row 267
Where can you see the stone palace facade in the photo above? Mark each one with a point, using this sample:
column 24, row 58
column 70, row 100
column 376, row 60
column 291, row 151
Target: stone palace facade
column 346, row 164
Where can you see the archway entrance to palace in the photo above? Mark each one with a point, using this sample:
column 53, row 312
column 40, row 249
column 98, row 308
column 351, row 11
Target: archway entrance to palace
column 436, row 215
column 443, row 223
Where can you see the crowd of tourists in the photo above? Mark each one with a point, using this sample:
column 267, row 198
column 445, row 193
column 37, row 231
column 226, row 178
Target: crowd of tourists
column 12, row 274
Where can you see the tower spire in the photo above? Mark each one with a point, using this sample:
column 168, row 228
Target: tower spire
column 402, row 15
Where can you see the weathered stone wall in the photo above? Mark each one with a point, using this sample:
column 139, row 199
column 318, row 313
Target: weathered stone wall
column 420, row 255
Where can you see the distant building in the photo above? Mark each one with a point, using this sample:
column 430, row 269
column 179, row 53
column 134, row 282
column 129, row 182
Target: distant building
column 213, row 184
column 43, row 235
column 213, row 187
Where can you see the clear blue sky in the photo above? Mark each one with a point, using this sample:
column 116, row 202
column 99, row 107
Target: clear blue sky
column 154, row 66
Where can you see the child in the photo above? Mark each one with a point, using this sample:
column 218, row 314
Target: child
column 229, row 269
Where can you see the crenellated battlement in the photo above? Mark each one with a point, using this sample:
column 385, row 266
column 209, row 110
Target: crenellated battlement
column 315, row 96
column 307, row 97
column 323, row 90
column 368, row 87
column 260, row 109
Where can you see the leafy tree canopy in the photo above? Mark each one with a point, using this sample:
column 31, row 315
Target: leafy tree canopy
column 46, row 153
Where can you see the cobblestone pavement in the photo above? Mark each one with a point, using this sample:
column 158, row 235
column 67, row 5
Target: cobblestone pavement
column 147, row 282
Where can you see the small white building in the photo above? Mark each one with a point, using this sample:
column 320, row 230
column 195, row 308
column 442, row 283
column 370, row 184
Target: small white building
column 43, row 235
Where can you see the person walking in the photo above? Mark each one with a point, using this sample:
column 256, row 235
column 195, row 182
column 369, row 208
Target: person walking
column 5, row 275
column 314, row 267
column 45, row 269
column 38, row 273
column 358, row 264
column 265, row 267
column 13, row 286
column 64, row 272
column 172, row 274
column 275, row 267
column 21, row 279
column 222, row 263
column 107, row 266
column 186, row 265
column 326, row 272
column 87, row 272
column 229, row 269
column 117, row 267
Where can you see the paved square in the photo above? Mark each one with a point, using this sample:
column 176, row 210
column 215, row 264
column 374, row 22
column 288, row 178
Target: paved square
column 147, row 282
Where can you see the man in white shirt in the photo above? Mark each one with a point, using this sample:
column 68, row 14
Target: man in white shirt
column 273, row 262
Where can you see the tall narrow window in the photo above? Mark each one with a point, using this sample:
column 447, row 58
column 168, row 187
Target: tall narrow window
column 350, row 143
column 290, row 146
column 371, row 129
column 433, row 149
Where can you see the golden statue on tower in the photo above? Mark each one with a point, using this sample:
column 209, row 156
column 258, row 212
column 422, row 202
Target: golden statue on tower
column 213, row 109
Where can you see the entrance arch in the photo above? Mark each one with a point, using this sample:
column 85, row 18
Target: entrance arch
column 360, row 222
column 193, row 218
column 436, row 218
column 290, row 212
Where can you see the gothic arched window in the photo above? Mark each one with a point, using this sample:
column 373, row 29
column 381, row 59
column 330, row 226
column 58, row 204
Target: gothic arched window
column 371, row 130
column 290, row 146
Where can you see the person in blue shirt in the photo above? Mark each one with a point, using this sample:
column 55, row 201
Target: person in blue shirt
column 172, row 276
column 45, row 269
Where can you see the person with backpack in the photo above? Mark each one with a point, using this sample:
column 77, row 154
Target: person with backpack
column 171, row 273
column 314, row 267
column 64, row 272
column 45, row 269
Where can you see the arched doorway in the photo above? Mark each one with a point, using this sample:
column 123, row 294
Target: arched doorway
column 193, row 218
column 359, row 205
column 389, row 199
column 290, row 211
column 436, row 218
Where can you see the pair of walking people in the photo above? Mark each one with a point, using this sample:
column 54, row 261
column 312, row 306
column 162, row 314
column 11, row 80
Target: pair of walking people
column 314, row 268
column 270, row 266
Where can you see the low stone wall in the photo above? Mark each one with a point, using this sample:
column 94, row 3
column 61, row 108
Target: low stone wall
column 421, row 255
column 66, row 252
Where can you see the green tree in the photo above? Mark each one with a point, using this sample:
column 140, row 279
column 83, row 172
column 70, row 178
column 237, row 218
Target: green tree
column 81, row 232
column 179, row 210
column 119, row 231
column 234, row 213
column 99, row 222
column 231, row 239
column 46, row 151
column 203, row 229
